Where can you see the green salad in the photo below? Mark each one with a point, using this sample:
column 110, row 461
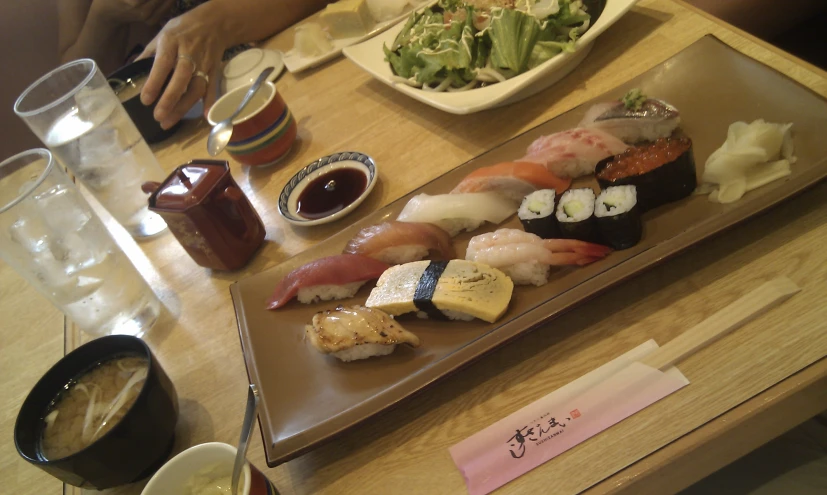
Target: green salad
column 460, row 45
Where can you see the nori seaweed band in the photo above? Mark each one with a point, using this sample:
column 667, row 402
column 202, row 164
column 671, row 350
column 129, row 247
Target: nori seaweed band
column 424, row 294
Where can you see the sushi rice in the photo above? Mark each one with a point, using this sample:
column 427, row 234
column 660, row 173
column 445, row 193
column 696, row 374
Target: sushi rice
column 316, row 293
column 615, row 200
column 576, row 205
column 364, row 351
column 539, row 204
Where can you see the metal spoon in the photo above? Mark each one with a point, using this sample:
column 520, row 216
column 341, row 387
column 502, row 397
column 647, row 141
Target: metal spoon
column 246, row 431
column 222, row 132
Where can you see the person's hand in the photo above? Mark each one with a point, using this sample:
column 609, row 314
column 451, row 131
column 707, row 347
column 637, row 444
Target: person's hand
column 191, row 47
column 149, row 12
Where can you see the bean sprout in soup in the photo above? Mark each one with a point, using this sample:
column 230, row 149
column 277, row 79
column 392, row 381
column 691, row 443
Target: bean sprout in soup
column 91, row 404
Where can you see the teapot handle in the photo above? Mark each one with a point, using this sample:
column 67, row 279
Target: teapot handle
column 150, row 187
column 233, row 195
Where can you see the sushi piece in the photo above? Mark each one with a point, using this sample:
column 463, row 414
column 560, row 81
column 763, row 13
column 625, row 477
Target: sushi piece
column 357, row 332
column 456, row 290
column 526, row 258
column 618, row 217
column 634, row 118
column 753, row 155
column 536, row 213
column 458, row 212
column 575, row 215
column 334, row 277
column 512, row 179
column 573, row 153
column 662, row 172
column 395, row 243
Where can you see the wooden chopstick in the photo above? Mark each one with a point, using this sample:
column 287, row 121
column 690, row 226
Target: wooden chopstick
column 740, row 312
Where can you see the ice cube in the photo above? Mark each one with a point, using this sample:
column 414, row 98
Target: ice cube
column 63, row 208
column 77, row 253
column 30, row 233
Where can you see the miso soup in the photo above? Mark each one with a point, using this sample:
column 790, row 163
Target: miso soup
column 91, row 404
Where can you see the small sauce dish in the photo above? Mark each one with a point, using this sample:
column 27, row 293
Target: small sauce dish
column 243, row 69
column 328, row 189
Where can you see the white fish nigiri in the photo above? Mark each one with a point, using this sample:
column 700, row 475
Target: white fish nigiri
column 575, row 152
column 458, row 212
column 753, row 155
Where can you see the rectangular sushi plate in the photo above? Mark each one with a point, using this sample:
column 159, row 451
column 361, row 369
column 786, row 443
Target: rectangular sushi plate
column 308, row 398
column 370, row 57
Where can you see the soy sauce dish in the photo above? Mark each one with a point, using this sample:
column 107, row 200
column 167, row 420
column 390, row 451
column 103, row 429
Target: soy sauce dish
column 328, row 189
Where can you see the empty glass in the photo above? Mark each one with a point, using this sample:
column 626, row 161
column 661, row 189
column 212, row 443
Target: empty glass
column 50, row 235
column 79, row 118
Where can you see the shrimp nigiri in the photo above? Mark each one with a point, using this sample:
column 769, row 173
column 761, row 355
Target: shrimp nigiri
column 526, row 257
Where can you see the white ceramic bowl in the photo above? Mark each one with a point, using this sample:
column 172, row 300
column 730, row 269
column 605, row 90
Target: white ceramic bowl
column 288, row 199
column 245, row 67
column 370, row 57
column 215, row 457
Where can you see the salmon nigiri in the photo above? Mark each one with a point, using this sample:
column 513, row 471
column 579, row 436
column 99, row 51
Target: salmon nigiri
column 512, row 179
column 396, row 243
column 333, row 277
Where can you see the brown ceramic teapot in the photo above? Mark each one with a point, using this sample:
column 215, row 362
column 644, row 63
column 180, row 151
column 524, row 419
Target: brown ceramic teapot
column 208, row 214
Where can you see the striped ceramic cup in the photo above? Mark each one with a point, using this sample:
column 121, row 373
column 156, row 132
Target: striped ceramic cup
column 264, row 132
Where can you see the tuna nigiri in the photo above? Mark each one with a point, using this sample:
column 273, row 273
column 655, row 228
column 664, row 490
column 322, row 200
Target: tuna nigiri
column 526, row 258
column 334, row 277
column 458, row 212
column 515, row 180
column 634, row 118
column 402, row 242
column 573, row 153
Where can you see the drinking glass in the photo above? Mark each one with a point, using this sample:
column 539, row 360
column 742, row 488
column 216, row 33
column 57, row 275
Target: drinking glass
column 50, row 235
column 79, row 118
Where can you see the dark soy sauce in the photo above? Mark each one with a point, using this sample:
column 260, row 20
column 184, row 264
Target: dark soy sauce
column 331, row 192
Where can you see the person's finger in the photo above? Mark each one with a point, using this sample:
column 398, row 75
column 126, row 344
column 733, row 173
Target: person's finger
column 166, row 57
column 149, row 50
column 176, row 88
column 198, row 86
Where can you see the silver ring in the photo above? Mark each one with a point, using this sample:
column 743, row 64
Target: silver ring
column 202, row 75
column 190, row 60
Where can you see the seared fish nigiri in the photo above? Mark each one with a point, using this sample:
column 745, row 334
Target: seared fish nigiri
column 357, row 332
column 634, row 118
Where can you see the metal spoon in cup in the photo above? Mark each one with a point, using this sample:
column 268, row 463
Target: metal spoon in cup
column 246, row 431
column 222, row 132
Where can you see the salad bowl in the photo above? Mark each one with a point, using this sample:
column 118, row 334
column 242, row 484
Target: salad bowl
column 370, row 56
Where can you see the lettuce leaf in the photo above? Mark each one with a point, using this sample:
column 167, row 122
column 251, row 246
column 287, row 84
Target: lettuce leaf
column 513, row 35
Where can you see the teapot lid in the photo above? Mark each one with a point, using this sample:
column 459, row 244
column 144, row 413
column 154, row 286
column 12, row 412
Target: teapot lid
column 189, row 184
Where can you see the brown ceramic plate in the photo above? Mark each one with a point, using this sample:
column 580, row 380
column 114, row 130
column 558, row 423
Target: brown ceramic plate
column 308, row 397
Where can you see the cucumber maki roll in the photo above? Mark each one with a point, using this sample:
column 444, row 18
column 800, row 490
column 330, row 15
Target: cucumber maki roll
column 618, row 216
column 662, row 172
column 536, row 213
column 575, row 215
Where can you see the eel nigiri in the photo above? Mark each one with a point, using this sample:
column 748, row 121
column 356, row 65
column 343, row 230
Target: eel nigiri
column 333, row 277
column 512, row 179
column 526, row 258
column 395, row 243
column 357, row 332
column 456, row 289
column 458, row 212
column 634, row 118
column 575, row 152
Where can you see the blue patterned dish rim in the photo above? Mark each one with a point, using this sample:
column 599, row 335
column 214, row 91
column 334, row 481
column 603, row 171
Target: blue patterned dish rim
column 325, row 161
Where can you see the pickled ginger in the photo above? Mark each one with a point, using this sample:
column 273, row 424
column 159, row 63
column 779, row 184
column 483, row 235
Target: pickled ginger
column 753, row 155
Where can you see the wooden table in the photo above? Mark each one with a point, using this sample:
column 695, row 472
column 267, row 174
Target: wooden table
column 339, row 107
